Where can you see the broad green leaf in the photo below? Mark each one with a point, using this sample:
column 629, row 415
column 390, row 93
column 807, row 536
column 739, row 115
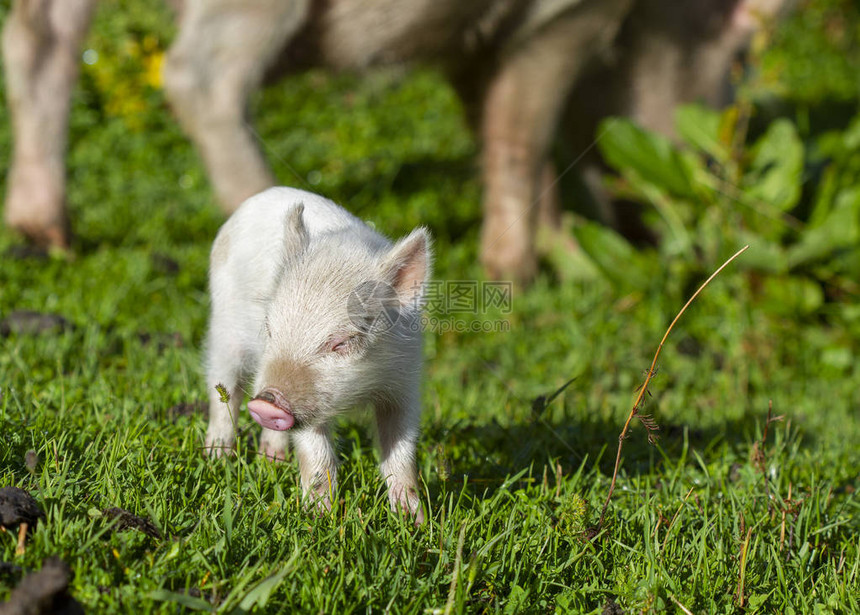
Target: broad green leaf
column 762, row 255
column 570, row 264
column 824, row 196
column 791, row 295
column 260, row 593
column 777, row 166
column 838, row 144
column 517, row 600
column 851, row 138
column 627, row 147
column 559, row 248
column 619, row 262
column 756, row 600
column 189, row 602
column 677, row 240
column 839, row 357
column 840, row 229
column 700, row 127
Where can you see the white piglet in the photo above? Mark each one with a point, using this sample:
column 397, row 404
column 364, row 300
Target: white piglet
column 321, row 314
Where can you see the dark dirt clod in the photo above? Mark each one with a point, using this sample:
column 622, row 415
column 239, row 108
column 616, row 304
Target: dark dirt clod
column 612, row 608
column 186, row 408
column 44, row 592
column 161, row 341
column 735, row 472
column 129, row 521
column 17, row 506
column 210, row 597
column 31, row 460
column 29, row 322
column 25, row 252
column 8, row 568
column 164, row 264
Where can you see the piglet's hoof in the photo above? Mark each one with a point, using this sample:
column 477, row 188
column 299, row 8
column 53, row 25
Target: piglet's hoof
column 271, row 410
column 272, row 451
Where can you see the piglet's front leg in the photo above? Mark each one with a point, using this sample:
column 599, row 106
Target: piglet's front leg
column 223, row 415
column 397, row 424
column 317, row 465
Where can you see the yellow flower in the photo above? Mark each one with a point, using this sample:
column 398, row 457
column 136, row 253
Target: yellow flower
column 152, row 69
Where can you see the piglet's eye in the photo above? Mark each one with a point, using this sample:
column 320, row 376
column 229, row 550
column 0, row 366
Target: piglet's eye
column 339, row 344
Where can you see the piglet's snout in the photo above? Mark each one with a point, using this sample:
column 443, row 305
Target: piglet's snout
column 271, row 410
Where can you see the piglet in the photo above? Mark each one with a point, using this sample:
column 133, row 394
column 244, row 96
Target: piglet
column 321, row 315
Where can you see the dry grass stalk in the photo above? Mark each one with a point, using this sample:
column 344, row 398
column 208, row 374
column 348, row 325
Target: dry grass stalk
column 759, row 455
column 674, row 517
column 455, row 576
column 647, row 421
column 782, row 526
column 742, row 571
column 680, row 606
column 20, row 548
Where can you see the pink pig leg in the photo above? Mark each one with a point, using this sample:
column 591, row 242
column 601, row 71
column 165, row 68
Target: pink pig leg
column 217, row 61
column 522, row 108
column 41, row 46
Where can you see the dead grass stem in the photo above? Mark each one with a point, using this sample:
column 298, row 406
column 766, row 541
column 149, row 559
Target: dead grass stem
column 647, row 422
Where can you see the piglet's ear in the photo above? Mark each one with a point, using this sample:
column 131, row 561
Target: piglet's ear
column 296, row 237
column 407, row 266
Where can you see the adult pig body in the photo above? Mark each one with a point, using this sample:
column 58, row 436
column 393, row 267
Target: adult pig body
column 290, row 314
column 513, row 62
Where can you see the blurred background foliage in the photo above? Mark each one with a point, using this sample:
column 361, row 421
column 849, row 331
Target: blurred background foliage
column 777, row 170
column 813, row 57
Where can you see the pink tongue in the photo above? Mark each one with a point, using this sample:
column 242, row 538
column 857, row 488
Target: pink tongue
column 269, row 415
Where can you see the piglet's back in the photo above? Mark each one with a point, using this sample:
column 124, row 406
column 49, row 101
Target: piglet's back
column 250, row 244
column 262, row 216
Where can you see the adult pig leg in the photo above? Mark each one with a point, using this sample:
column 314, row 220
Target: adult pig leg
column 41, row 43
column 674, row 53
column 218, row 59
column 521, row 110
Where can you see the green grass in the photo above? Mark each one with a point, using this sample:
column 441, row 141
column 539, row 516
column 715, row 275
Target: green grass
column 509, row 491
